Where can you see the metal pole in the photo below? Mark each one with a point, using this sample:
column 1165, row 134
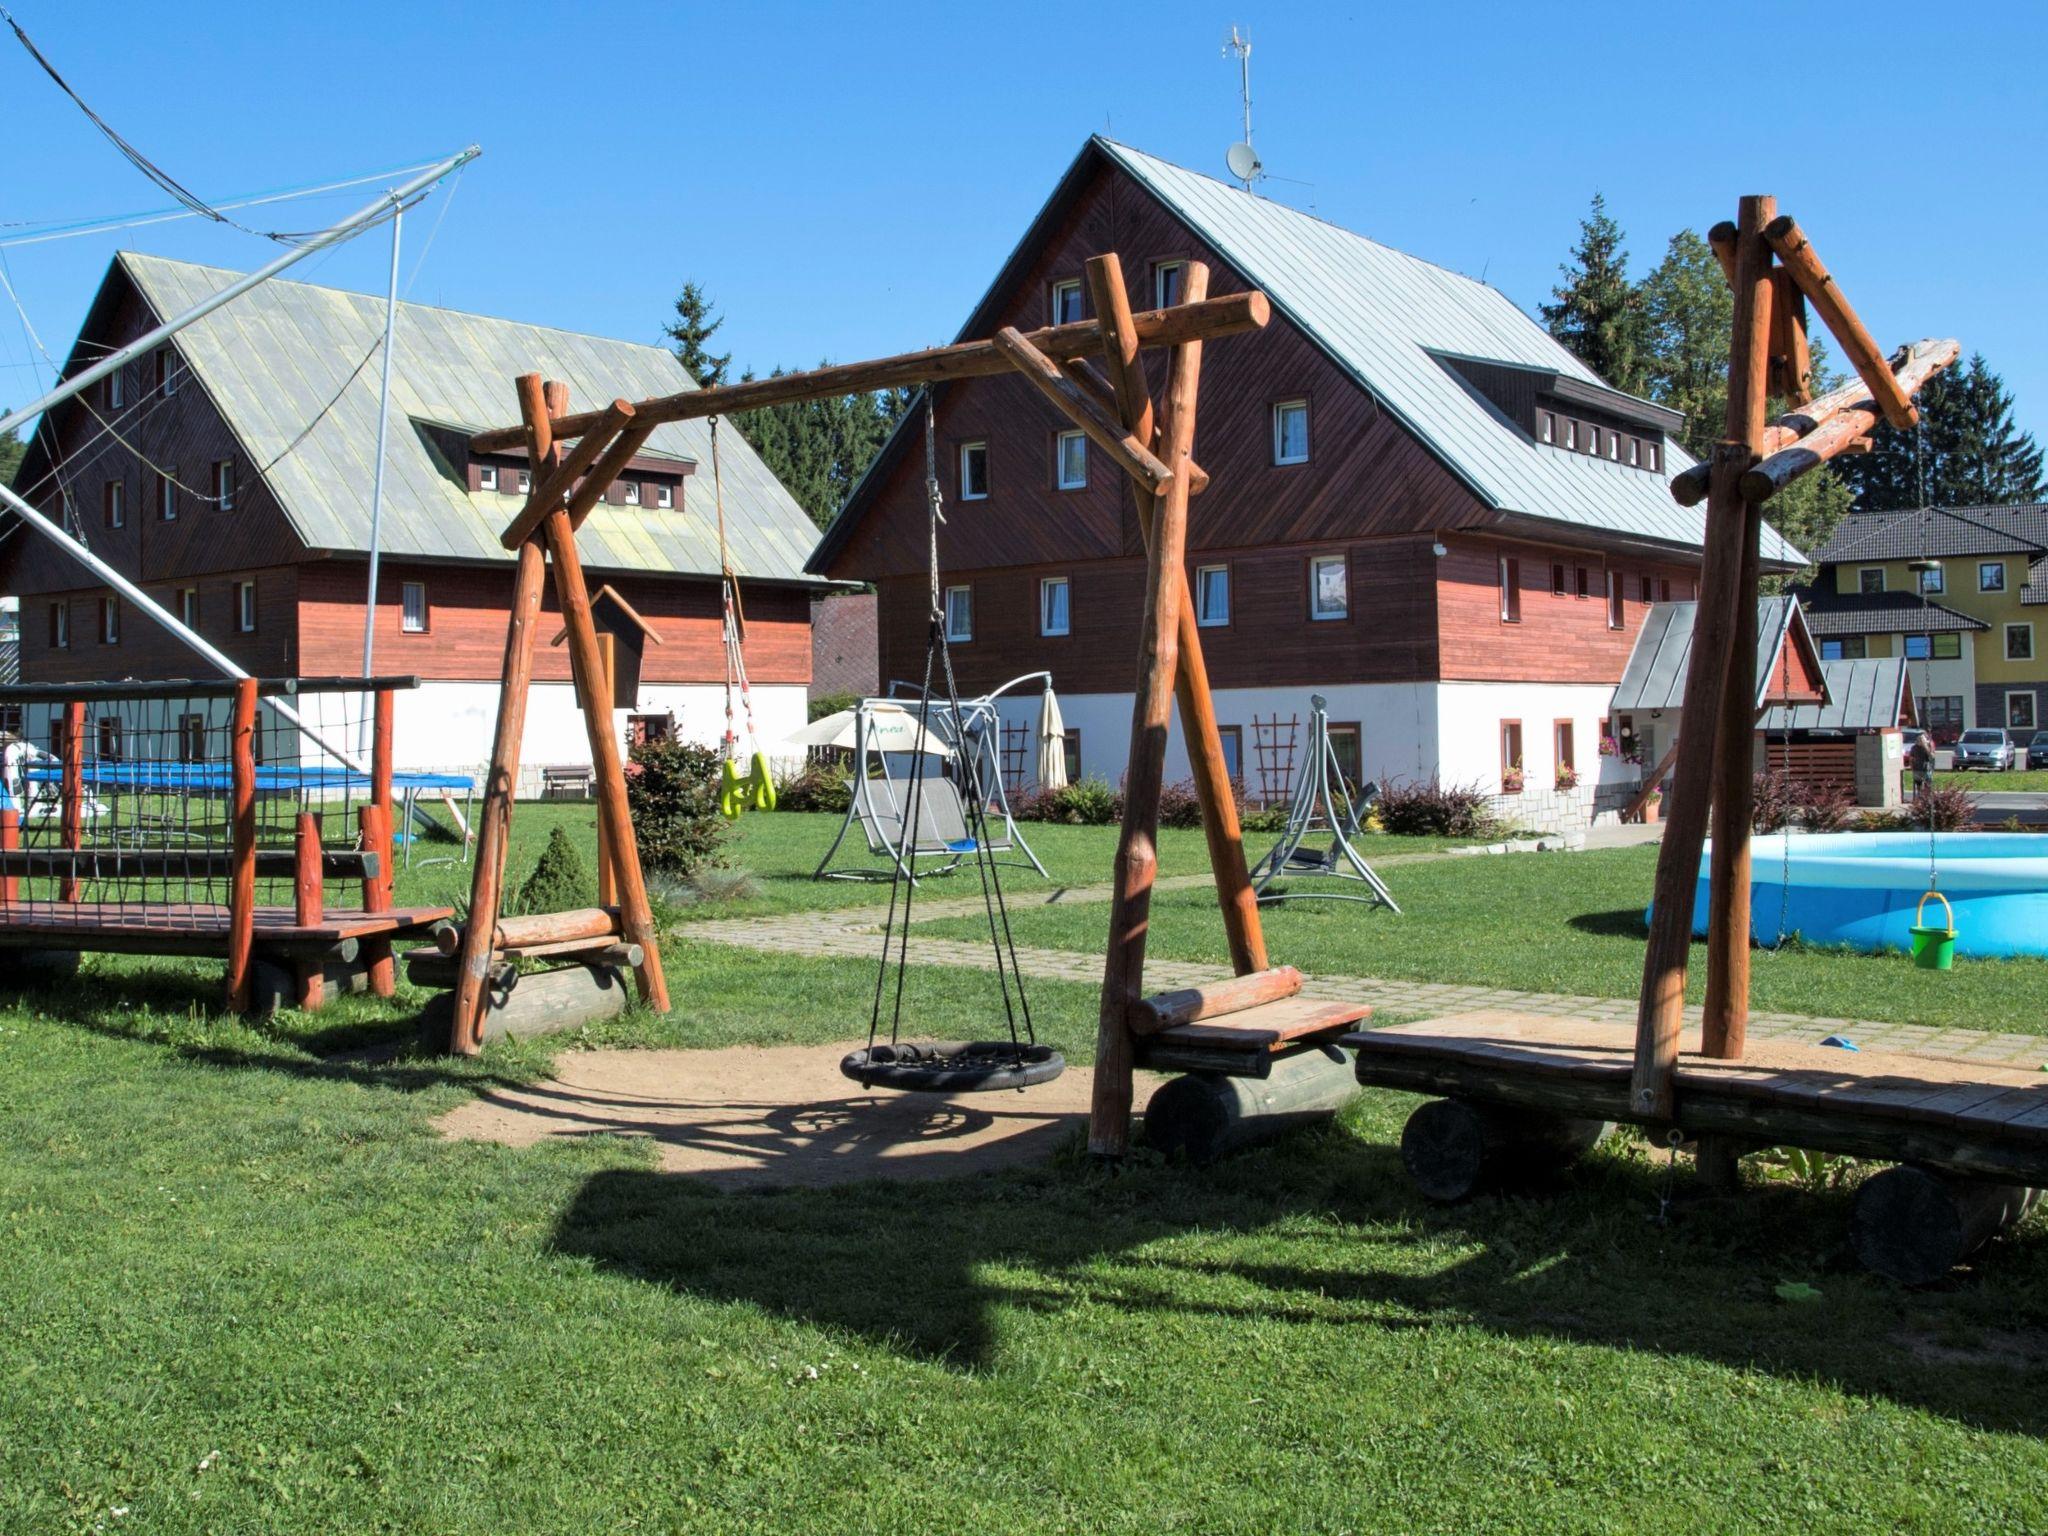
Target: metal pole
column 333, row 235
column 383, row 437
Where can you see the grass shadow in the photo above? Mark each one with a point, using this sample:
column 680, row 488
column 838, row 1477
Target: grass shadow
column 1323, row 1230
column 1623, row 923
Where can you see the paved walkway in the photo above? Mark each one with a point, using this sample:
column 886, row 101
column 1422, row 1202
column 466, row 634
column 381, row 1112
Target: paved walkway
column 855, row 932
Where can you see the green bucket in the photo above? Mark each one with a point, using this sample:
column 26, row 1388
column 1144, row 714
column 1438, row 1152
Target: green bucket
column 1934, row 949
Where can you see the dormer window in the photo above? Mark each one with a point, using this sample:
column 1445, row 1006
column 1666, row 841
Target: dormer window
column 664, row 496
column 630, row 492
column 525, row 482
column 1546, row 426
column 487, row 477
column 1169, row 282
column 1571, row 434
column 1066, row 301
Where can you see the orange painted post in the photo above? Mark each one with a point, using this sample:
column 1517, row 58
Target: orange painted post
column 10, row 842
column 73, row 811
column 308, row 905
column 377, row 839
column 242, row 876
column 607, row 880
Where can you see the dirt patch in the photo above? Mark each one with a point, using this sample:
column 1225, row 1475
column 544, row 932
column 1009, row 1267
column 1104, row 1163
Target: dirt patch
column 760, row 1117
column 2018, row 1351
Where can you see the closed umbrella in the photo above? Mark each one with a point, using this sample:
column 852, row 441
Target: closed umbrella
column 891, row 728
column 1052, row 743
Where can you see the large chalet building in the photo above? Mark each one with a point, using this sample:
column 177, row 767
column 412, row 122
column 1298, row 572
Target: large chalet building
column 1420, row 505
column 229, row 474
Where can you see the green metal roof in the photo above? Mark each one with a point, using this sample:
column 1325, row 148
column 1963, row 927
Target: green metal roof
column 283, row 356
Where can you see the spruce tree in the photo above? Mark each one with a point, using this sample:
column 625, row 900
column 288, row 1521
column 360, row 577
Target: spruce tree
column 12, row 450
column 691, row 332
column 819, row 449
column 1598, row 312
column 1970, row 451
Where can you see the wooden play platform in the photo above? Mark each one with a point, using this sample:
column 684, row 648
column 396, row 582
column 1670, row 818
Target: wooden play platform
column 197, row 928
column 1975, row 1120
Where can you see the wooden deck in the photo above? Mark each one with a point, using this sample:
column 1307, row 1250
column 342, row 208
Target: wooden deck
column 1979, row 1120
column 164, row 928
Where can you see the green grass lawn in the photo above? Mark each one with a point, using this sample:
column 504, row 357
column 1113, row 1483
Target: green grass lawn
column 1977, row 782
column 1558, row 923
column 247, row 1288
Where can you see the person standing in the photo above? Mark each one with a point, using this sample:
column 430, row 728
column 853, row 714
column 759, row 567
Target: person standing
column 1920, row 759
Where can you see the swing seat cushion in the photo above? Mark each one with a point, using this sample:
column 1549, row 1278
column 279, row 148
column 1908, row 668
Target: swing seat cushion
column 954, row 1066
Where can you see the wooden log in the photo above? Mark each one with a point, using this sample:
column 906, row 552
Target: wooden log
column 1454, row 1148
column 1190, row 321
column 308, row 902
column 541, row 1002
column 553, row 484
column 278, row 981
column 607, row 880
column 1844, row 429
column 636, row 918
column 1797, row 253
column 1721, row 241
column 614, row 460
column 436, row 971
column 1634, row 810
column 71, row 811
column 1098, row 389
column 494, row 821
column 1137, row 860
column 1661, row 1006
column 536, row 928
column 242, row 815
column 1243, row 928
column 1191, row 1005
column 1070, row 400
column 611, row 951
column 1204, row 1115
column 373, row 830
column 1914, row 1225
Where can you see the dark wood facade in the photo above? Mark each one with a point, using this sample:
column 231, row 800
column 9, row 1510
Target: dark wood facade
column 1370, row 491
column 307, row 605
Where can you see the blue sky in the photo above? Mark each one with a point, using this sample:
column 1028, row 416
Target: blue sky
column 845, row 179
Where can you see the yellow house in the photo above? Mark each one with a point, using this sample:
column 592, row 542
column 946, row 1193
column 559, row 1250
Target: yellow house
column 1961, row 592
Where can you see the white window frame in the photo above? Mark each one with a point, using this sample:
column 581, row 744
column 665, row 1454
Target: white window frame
column 629, row 492
column 1062, row 474
column 224, row 484
column 245, row 607
column 524, row 482
column 110, row 619
column 1932, row 582
column 664, row 495
column 2033, row 709
column 1206, row 616
column 60, row 612
column 487, row 477
column 1635, row 453
column 1991, row 565
column 967, row 450
column 1546, row 427
column 1047, row 586
column 406, row 626
column 1060, row 290
column 1162, row 272
column 2032, row 654
column 117, row 389
column 956, row 632
column 1281, row 408
column 188, row 607
column 167, row 495
column 115, row 500
column 167, row 369
column 1316, row 611
column 1571, row 434
column 1617, row 611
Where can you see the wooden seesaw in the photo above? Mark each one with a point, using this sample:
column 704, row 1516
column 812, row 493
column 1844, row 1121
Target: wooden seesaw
column 1531, row 1092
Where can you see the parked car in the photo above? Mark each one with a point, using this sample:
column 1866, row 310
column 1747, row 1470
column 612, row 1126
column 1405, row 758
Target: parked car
column 1985, row 747
column 2037, row 750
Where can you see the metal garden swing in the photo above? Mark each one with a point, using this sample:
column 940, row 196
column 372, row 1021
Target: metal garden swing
column 755, row 789
column 1018, row 1061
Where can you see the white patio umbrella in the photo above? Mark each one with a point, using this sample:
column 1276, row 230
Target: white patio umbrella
column 891, row 728
column 1052, row 743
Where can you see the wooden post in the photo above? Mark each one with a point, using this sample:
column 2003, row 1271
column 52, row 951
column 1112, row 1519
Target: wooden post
column 10, row 842
column 73, row 805
column 1726, row 1017
column 586, row 666
column 1796, row 251
column 377, row 838
column 242, row 874
column 1137, row 859
column 308, row 903
column 1213, row 789
column 607, row 881
column 1660, row 1011
column 494, row 821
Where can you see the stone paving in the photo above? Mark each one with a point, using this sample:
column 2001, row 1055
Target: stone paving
column 854, row 932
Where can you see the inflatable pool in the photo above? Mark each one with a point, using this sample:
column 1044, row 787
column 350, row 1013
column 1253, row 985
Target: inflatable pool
column 1860, row 889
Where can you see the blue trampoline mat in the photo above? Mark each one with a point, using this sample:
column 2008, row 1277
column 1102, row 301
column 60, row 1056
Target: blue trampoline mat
column 218, row 778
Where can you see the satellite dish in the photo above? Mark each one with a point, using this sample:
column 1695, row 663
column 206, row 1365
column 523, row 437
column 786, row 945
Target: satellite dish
column 1243, row 162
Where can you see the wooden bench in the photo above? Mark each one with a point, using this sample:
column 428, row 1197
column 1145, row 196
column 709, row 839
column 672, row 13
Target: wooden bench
column 568, row 782
column 1239, row 1027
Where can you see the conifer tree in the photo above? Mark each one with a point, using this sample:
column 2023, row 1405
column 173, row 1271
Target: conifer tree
column 11, row 451
column 1970, row 451
column 1597, row 313
column 690, row 334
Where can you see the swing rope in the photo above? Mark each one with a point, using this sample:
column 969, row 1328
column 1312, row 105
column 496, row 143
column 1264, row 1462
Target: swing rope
column 756, row 787
column 1925, row 563
column 1019, row 1060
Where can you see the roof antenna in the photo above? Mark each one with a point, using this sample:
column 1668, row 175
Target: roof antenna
column 1241, row 158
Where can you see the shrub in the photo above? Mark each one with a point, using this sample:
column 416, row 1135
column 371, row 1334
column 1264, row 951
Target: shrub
column 559, row 883
column 1777, row 801
column 1179, row 806
column 672, row 792
column 1883, row 821
column 1084, row 803
column 830, row 704
column 1431, row 808
column 817, row 787
column 1942, row 810
column 1267, row 818
column 1826, row 807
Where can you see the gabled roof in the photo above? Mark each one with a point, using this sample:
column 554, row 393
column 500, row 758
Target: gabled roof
column 1880, row 613
column 1386, row 319
column 288, row 359
column 1865, row 695
column 1934, row 533
column 1654, row 678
